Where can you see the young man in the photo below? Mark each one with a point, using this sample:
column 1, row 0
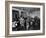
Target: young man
column 21, row 26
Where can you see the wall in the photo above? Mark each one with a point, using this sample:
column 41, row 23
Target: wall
column 2, row 19
column 35, row 13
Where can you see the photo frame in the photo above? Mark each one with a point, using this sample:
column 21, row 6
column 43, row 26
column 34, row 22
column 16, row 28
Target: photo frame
column 31, row 8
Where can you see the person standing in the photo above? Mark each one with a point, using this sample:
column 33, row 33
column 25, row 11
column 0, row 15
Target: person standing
column 22, row 27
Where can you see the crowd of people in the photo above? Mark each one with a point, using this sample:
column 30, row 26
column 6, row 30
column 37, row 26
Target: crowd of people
column 26, row 23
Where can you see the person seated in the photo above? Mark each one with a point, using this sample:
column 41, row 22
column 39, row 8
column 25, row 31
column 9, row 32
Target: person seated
column 37, row 23
column 14, row 24
column 31, row 24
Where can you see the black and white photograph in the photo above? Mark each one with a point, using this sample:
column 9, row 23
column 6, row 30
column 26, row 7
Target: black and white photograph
column 25, row 18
